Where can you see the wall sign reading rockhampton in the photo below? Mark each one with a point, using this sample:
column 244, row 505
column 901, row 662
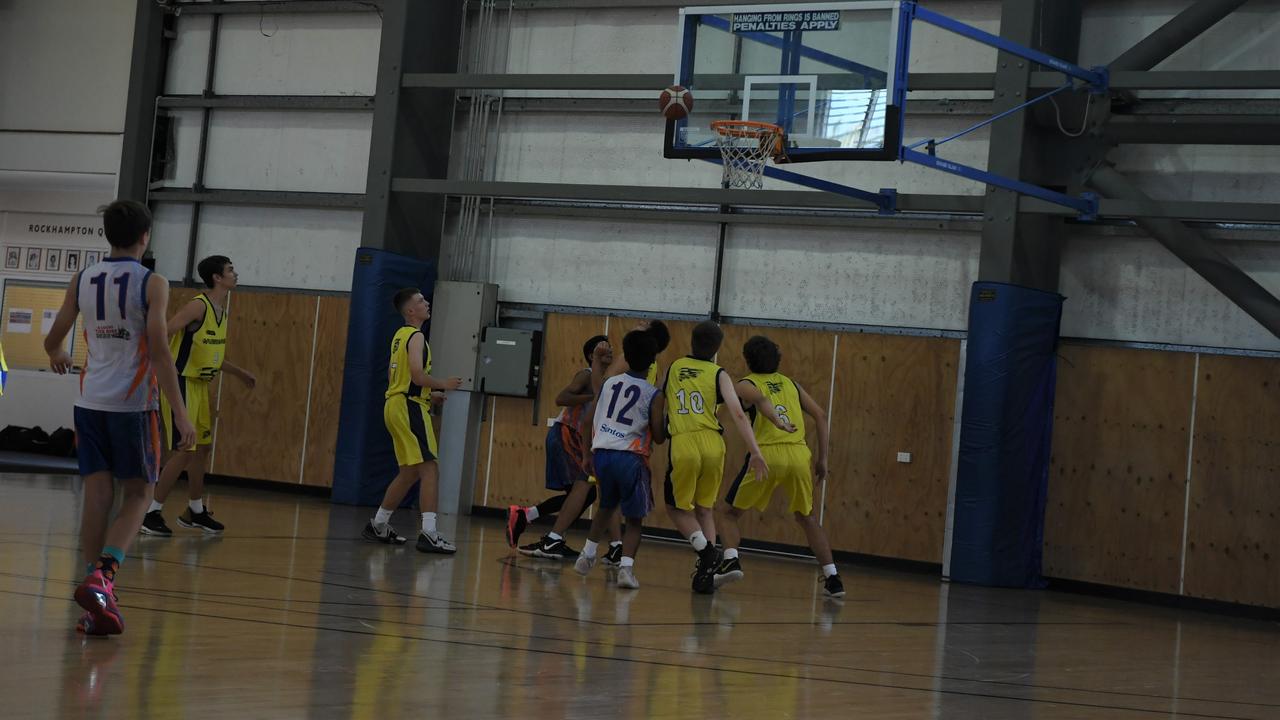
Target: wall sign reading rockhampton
column 51, row 244
column 784, row 21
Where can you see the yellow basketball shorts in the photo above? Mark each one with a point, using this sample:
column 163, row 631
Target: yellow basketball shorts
column 695, row 470
column 410, row 428
column 195, row 395
column 788, row 468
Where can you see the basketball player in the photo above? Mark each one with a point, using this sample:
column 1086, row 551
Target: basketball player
column 694, row 389
column 624, row 426
column 199, row 346
column 552, row 544
column 405, row 413
column 564, row 473
column 788, row 458
column 117, row 428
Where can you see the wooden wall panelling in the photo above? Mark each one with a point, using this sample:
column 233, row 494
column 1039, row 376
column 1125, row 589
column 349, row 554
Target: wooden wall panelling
column 1118, row 469
column 260, row 432
column 328, row 364
column 806, row 358
column 892, row 393
column 1233, row 530
column 518, row 454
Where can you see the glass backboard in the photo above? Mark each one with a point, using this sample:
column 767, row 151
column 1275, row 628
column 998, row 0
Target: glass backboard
column 828, row 73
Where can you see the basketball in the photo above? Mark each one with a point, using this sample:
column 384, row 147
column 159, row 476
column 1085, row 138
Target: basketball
column 675, row 103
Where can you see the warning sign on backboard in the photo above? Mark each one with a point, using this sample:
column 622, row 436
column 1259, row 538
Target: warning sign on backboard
column 782, row 21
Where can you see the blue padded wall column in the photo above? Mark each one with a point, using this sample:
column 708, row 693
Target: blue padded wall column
column 364, row 462
column 1006, row 431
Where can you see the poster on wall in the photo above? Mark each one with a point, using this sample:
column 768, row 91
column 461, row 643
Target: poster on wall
column 34, row 257
column 52, row 260
column 20, row 320
column 72, row 261
column 12, row 258
column 92, row 257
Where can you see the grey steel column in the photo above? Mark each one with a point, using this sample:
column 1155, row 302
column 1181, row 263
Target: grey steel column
column 146, row 83
column 1025, row 249
column 412, row 129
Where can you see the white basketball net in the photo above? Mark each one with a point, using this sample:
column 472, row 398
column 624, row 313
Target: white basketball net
column 745, row 148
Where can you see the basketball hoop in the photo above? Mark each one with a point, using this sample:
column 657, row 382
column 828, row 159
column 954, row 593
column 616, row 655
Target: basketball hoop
column 745, row 148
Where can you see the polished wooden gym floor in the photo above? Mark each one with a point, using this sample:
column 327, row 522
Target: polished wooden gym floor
column 291, row 615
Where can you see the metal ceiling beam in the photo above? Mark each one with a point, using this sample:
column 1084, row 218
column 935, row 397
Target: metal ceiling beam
column 680, row 195
column 1176, row 80
column 792, row 199
column 275, row 7
column 1194, row 129
column 268, row 102
column 645, row 81
column 1197, row 252
column 275, row 198
column 942, row 82
column 1175, row 34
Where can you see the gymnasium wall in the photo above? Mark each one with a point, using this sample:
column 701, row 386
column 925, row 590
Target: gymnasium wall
column 1126, row 288
column 285, row 429
column 64, row 75
column 301, row 151
column 1126, row 507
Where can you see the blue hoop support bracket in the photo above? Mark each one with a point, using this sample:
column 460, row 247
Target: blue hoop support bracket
column 1086, row 205
column 1097, row 78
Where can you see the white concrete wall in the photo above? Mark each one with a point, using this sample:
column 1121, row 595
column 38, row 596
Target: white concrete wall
column 64, row 78
column 309, row 54
column 1119, row 289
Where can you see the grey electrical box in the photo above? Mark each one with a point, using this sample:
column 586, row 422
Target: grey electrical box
column 459, row 313
column 509, row 362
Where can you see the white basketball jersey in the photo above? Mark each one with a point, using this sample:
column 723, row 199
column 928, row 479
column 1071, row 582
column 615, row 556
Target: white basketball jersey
column 622, row 415
column 112, row 298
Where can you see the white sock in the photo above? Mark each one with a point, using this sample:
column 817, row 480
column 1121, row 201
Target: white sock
column 531, row 513
column 428, row 522
column 382, row 517
column 614, row 543
column 555, row 535
column 155, row 507
column 628, row 561
column 589, row 549
column 730, row 553
column 698, row 540
column 197, row 506
column 828, row 570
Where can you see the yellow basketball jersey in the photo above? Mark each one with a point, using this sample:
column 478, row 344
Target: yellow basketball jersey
column 782, row 392
column 198, row 352
column 399, row 379
column 652, row 376
column 693, row 396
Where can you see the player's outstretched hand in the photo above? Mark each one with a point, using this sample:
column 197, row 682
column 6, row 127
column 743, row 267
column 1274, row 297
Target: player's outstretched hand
column 759, row 466
column 437, row 398
column 453, row 383
column 60, row 362
column 249, row 380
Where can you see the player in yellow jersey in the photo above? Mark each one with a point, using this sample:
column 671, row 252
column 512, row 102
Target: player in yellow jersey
column 198, row 342
column 788, row 457
column 406, row 414
column 694, row 389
